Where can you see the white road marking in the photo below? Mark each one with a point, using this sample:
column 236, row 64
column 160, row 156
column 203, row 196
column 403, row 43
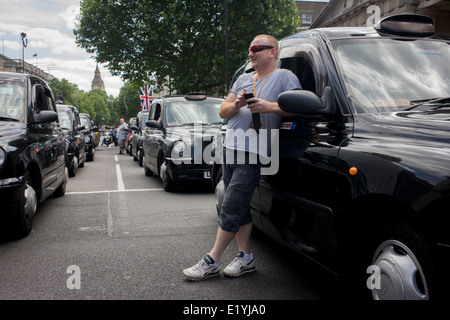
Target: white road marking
column 113, row 191
column 120, row 185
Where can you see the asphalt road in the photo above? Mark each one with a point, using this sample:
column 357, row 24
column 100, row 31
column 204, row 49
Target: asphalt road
column 117, row 235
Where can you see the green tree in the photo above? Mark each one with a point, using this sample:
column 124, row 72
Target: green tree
column 67, row 90
column 128, row 103
column 96, row 104
column 179, row 43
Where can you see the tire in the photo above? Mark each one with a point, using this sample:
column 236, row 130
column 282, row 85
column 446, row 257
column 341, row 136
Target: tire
column 147, row 171
column 219, row 191
column 61, row 190
column 167, row 182
column 405, row 263
column 74, row 167
column 81, row 165
column 140, row 158
column 22, row 220
column 398, row 265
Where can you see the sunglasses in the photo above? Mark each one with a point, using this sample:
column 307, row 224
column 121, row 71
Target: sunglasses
column 258, row 48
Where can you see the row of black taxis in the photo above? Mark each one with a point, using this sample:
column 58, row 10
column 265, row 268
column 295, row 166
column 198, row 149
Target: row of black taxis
column 41, row 144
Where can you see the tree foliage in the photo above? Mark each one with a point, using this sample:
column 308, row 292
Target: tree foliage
column 96, row 103
column 178, row 44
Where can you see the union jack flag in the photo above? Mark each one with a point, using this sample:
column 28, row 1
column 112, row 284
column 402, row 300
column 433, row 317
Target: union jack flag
column 146, row 97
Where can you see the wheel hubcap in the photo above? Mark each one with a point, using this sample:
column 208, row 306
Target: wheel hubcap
column 219, row 194
column 163, row 172
column 30, row 202
column 401, row 276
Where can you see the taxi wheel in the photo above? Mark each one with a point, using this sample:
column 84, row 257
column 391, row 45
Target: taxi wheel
column 219, row 191
column 147, row 171
column 22, row 222
column 140, row 157
column 73, row 167
column 61, row 190
column 81, row 163
column 167, row 181
column 403, row 263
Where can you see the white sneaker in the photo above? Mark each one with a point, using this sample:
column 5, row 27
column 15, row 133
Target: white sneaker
column 204, row 269
column 239, row 266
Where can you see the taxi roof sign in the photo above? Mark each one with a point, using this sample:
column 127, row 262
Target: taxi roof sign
column 195, row 96
column 406, row 25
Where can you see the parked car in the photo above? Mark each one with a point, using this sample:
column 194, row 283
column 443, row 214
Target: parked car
column 136, row 141
column 70, row 121
column 32, row 151
column 180, row 128
column 89, row 133
column 364, row 169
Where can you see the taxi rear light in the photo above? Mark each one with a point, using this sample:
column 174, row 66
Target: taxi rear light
column 407, row 25
column 195, row 96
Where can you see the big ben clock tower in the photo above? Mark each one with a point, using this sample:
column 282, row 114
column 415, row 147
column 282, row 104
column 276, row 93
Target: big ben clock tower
column 97, row 82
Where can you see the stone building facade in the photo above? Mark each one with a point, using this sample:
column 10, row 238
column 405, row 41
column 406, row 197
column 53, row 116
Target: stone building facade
column 362, row 13
column 10, row 65
column 308, row 11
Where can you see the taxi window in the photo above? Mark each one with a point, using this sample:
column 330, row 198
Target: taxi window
column 385, row 74
column 179, row 113
column 85, row 122
column 12, row 100
column 64, row 119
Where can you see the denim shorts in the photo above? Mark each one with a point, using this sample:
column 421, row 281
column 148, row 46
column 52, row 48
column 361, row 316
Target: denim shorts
column 240, row 181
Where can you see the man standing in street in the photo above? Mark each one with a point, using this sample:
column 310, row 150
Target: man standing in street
column 240, row 179
column 122, row 135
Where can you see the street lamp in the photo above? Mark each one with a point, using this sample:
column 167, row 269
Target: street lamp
column 24, row 45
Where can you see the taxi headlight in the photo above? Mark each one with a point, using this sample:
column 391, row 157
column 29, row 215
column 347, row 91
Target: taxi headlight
column 2, row 157
column 179, row 147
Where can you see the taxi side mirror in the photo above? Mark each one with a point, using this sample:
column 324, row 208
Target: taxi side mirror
column 305, row 102
column 154, row 124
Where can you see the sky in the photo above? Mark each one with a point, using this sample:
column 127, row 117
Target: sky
column 49, row 26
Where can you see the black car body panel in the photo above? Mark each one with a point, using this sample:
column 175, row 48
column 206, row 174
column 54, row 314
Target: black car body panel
column 180, row 121
column 137, row 152
column 32, row 150
column 364, row 169
column 69, row 118
column 89, row 133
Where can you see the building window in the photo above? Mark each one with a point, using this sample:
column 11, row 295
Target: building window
column 306, row 18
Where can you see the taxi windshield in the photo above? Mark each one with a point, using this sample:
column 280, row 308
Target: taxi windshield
column 12, row 100
column 189, row 113
column 388, row 74
column 64, row 119
column 86, row 122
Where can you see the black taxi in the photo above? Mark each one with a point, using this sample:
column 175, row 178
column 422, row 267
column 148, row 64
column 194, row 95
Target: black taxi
column 175, row 142
column 32, row 151
column 362, row 183
column 136, row 140
column 89, row 132
column 69, row 118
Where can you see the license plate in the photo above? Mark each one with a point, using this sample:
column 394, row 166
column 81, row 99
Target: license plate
column 207, row 174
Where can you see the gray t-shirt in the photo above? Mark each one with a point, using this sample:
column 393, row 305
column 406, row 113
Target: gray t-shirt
column 240, row 136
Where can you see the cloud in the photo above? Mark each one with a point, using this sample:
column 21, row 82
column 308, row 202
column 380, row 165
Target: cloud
column 49, row 27
column 70, row 16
